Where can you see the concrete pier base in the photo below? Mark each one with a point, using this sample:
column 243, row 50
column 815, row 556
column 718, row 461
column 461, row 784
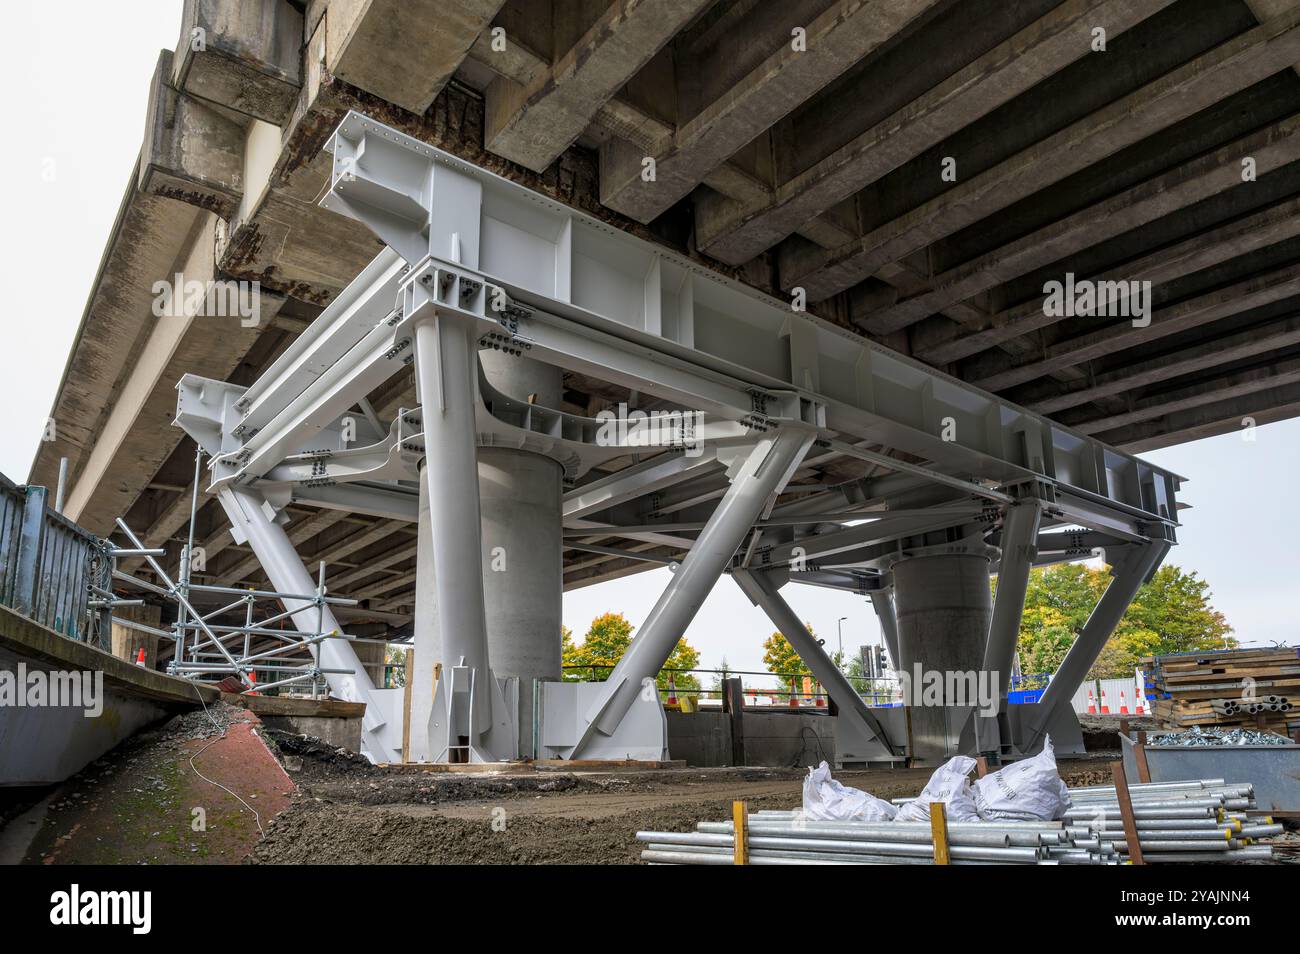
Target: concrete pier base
column 943, row 607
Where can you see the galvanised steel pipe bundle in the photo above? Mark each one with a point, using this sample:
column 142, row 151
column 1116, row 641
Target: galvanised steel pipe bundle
column 1176, row 822
column 968, row 834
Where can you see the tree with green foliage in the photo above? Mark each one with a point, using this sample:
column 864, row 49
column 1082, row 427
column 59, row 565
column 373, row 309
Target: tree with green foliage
column 607, row 639
column 1170, row 614
column 779, row 657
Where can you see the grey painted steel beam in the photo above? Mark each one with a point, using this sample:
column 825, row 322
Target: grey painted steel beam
column 1132, row 567
column 882, row 600
column 759, row 476
column 764, row 592
column 1018, row 545
column 593, row 299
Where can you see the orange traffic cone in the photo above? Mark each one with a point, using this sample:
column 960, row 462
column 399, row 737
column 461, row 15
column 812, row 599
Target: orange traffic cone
column 1140, row 701
column 1105, row 707
column 1123, row 703
column 252, row 678
column 139, row 659
column 821, row 697
column 672, row 691
column 794, row 694
column 1092, row 704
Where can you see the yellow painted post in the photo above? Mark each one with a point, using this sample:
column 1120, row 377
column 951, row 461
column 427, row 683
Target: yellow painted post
column 740, row 821
column 939, row 832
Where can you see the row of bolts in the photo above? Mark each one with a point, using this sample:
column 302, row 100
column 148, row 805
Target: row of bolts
column 1190, row 821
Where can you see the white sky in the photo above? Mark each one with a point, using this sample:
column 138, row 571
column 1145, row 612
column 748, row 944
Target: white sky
column 76, row 119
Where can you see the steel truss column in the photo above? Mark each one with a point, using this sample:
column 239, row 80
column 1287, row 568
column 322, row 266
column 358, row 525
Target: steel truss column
column 754, row 486
column 882, row 601
column 764, row 592
column 1018, row 544
column 469, row 721
column 1019, row 534
column 1129, row 571
column 250, row 518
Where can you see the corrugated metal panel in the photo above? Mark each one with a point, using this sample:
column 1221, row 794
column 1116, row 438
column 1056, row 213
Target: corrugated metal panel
column 63, row 561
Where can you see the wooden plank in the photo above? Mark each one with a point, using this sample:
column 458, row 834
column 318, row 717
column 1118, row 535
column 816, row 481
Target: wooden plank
column 740, row 841
column 1126, row 814
column 406, row 704
column 939, row 832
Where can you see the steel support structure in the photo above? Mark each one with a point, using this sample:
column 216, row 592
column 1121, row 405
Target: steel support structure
column 758, row 477
column 1130, row 568
column 763, row 591
column 252, row 519
column 477, row 262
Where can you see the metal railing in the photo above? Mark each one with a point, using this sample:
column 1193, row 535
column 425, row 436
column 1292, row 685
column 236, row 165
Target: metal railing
column 50, row 568
column 874, row 691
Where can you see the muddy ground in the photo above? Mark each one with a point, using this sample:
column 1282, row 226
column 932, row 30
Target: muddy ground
column 350, row 812
column 334, row 807
column 198, row 789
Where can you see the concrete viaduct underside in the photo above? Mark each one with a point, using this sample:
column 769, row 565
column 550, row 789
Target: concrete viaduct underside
column 844, row 213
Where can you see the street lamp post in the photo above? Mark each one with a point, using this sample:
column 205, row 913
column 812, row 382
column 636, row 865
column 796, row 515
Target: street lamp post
column 839, row 625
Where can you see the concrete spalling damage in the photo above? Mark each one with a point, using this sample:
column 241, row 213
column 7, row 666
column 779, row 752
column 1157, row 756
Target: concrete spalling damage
column 418, row 314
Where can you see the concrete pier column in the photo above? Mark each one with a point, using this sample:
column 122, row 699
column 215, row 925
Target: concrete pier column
column 943, row 608
column 427, row 638
column 523, row 578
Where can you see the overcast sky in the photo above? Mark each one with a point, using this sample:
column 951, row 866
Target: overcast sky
column 74, row 132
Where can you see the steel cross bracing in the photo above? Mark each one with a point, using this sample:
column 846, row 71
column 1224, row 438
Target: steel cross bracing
column 475, row 261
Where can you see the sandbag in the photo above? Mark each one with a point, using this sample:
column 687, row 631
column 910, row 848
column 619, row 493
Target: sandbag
column 949, row 784
column 825, row 799
column 1028, row 790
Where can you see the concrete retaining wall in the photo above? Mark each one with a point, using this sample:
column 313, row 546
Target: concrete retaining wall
column 781, row 739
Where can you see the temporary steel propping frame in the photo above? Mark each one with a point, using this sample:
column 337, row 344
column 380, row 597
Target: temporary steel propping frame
column 474, row 261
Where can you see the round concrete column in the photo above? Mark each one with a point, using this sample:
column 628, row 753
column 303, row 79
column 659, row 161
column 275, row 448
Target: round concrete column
column 943, row 606
column 520, row 496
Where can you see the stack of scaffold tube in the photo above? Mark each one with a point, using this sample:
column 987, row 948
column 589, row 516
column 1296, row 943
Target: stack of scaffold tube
column 1195, row 821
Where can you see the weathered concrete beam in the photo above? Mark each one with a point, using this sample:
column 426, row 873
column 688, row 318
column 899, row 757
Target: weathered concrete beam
column 1234, row 415
column 382, row 530
column 244, row 55
column 1268, row 9
column 533, row 124
column 1223, row 71
column 1271, row 147
column 403, row 51
column 992, row 374
column 836, row 40
column 373, row 566
column 1215, row 352
column 134, row 436
column 192, row 152
column 385, row 586
column 1213, row 247
column 1209, row 391
column 299, row 532
column 1030, row 56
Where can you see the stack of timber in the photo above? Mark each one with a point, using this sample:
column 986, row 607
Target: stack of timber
column 1251, row 687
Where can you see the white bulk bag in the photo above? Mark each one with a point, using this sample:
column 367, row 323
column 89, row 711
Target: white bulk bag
column 1028, row 790
column 825, row 799
column 949, row 784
